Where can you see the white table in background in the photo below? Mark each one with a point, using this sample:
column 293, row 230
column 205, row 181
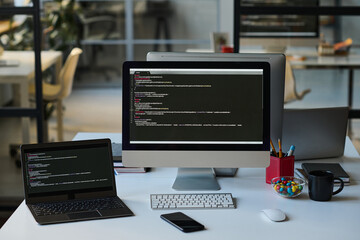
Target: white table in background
column 307, row 219
column 23, row 73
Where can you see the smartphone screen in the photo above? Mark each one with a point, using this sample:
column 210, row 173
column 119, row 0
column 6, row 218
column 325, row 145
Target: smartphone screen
column 182, row 222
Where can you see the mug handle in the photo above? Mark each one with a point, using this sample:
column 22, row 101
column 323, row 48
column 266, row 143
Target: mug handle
column 341, row 186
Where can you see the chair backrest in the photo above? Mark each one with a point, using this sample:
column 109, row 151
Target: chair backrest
column 68, row 71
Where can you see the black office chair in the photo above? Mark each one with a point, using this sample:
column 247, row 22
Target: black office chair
column 161, row 10
column 89, row 30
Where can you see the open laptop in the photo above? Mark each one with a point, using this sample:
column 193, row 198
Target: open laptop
column 71, row 181
column 315, row 133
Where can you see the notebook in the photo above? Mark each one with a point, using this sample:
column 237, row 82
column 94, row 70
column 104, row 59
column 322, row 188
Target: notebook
column 335, row 168
column 71, row 181
column 315, row 133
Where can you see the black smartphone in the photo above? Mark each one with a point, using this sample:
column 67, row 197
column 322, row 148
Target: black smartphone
column 182, row 222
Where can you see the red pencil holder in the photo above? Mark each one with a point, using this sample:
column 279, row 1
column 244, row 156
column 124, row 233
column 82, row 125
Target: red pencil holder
column 280, row 167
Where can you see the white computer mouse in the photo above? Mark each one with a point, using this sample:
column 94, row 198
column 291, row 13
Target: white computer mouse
column 275, row 215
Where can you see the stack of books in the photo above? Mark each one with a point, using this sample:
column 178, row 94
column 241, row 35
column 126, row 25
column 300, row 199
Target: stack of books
column 119, row 166
column 335, row 168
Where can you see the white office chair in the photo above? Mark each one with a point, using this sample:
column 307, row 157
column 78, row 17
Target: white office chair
column 57, row 92
column 290, row 93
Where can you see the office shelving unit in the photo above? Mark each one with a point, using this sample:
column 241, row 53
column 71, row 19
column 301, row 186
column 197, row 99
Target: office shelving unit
column 282, row 10
column 36, row 112
column 337, row 10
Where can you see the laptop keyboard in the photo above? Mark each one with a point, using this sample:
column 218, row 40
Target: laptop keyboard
column 42, row 209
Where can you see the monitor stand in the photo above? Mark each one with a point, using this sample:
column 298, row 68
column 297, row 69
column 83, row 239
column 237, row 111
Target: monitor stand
column 225, row 172
column 189, row 179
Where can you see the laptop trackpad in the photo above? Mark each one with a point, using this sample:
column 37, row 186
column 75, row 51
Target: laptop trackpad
column 81, row 215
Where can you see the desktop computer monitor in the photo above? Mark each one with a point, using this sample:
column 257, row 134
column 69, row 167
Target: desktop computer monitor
column 277, row 75
column 277, row 32
column 196, row 115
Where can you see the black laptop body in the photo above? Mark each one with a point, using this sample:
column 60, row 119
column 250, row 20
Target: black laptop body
column 71, row 181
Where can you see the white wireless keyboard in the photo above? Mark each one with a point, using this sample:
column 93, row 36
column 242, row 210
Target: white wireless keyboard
column 192, row 201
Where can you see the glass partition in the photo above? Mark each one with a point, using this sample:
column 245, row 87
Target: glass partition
column 111, row 31
column 174, row 19
column 17, row 61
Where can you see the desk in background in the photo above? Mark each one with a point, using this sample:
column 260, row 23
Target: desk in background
column 350, row 62
column 24, row 73
column 314, row 61
column 307, row 219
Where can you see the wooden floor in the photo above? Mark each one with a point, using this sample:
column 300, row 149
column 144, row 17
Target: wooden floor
column 99, row 110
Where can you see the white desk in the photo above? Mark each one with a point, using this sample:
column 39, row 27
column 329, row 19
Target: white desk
column 307, row 219
column 24, row 72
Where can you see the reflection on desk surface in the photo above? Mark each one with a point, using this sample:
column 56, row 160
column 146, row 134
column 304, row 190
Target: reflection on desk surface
column 9, row 63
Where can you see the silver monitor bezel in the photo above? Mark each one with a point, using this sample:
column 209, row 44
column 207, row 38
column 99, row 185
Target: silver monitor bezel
column 195, row 155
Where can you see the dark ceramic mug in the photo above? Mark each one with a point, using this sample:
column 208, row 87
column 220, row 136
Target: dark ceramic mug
column 321, row 185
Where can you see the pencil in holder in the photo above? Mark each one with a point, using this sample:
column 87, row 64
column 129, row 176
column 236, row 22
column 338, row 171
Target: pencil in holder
column 280, row 167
